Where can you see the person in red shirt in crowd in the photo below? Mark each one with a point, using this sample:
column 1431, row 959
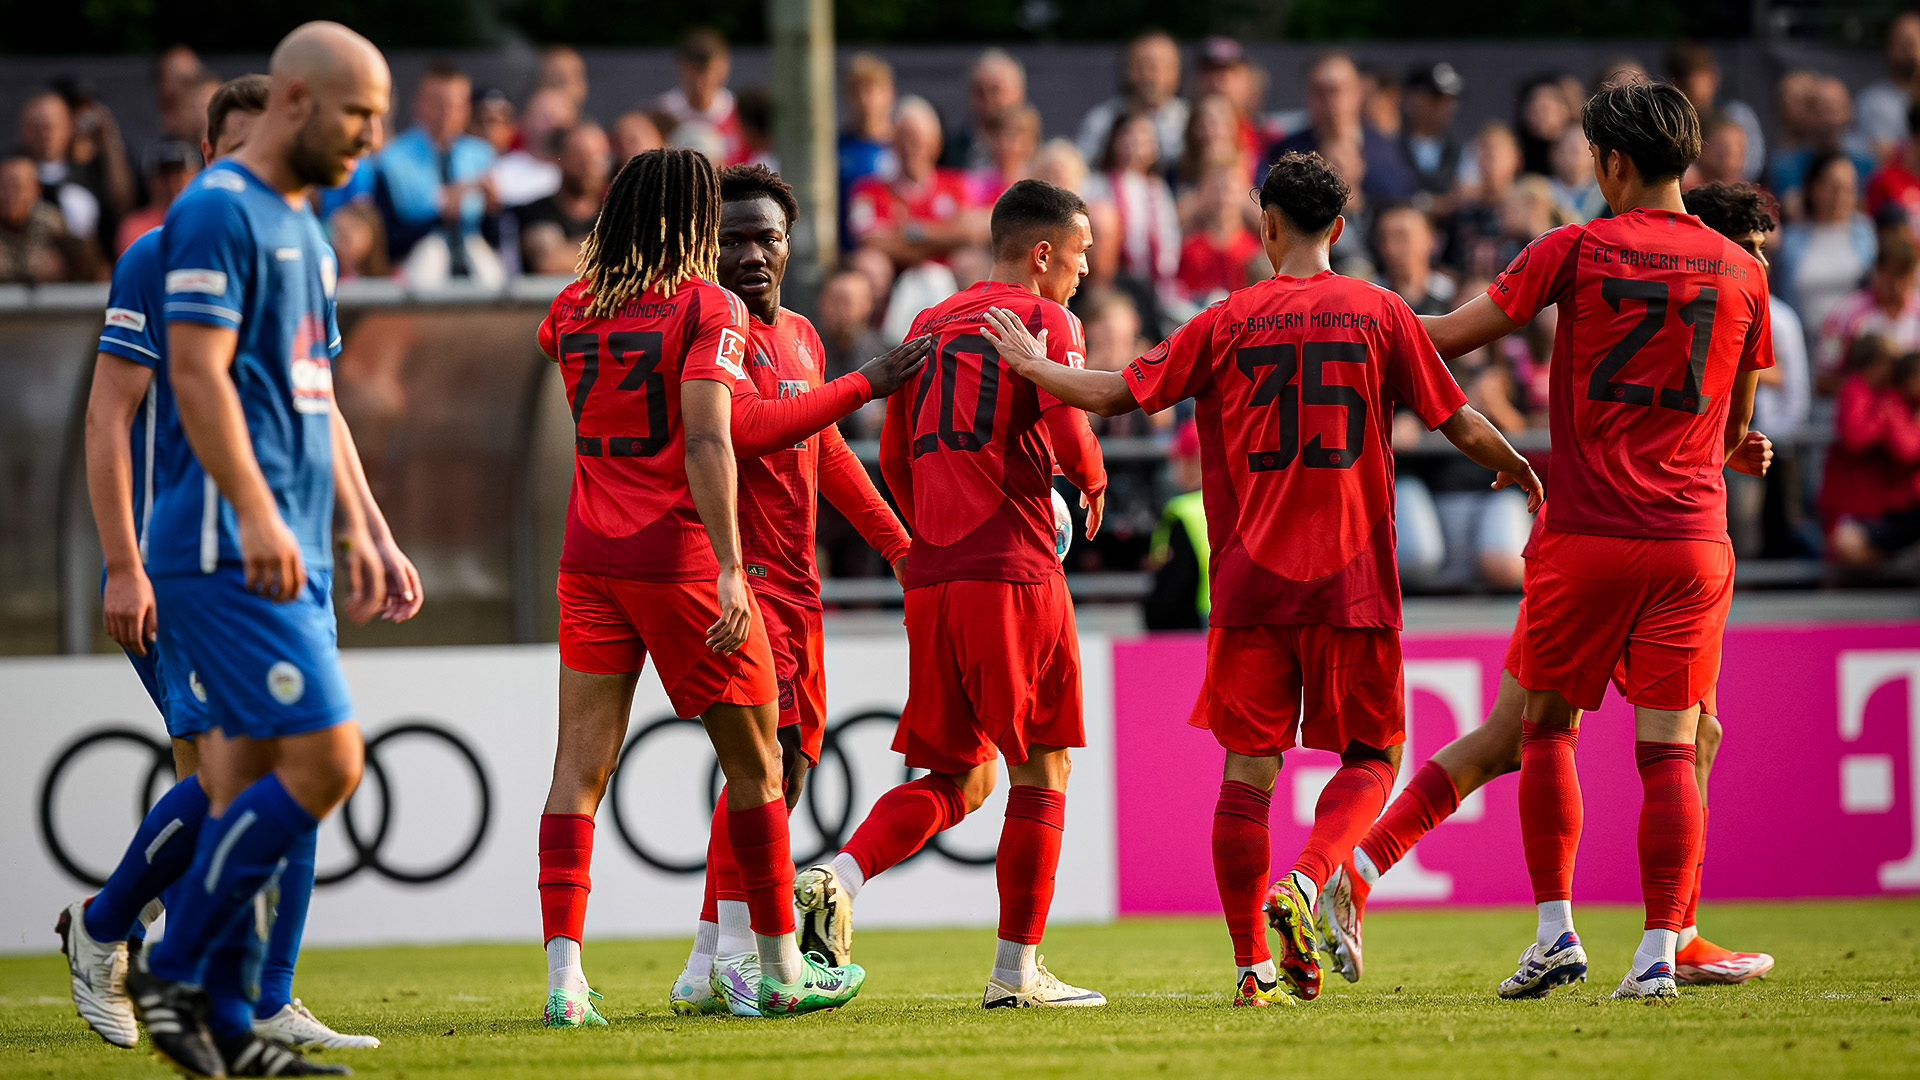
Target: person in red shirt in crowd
column 1663, row 331
column 924, row 212
column 1295, row 379
column 652, row 354
column 789, row 453
column 702, row 105
column 1215, row 256
column 1897, row 181
column 968, row 450
column 1888, row 307
column 1871, row 495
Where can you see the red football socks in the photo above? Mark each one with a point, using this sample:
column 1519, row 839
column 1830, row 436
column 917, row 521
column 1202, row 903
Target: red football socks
column 763, row 854
column 1347, row 806
column 903, row 820
column 723, row 871
column 1670, row 834
column 1028, row 857
column 1692, row 917
column 1428, row 800
column 1240, row 853
column 1550, row 808
column 566, row 852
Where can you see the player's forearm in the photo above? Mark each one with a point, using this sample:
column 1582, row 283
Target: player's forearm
column 212, row 418
column 1476, row 437
column 1104, row 393
column 1077, row 450
column 847, row 488
column 762, row 425
column 110, row 485
column 896, row 462
column 353, row 500
column 1740, row 410
column 715, row 488
column 1477, row 322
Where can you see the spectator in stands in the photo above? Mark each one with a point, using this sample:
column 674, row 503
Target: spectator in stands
column 703, row 109
column 1149, row 85
column 359, row 241
column 1427, row 144
column 996, row 90
column 46, row 137
column 634, row 133
column 173, row 165
column 1404, row 242
column 1723, row 152
column 1542, row 114
column 1012, row 142
column 1694, row 70
column 552, row 229
column 1213, row 145
column 1335, row 114
column 493, row 119
column 1222, row 69
column 1380, row 98
column 1115, row 336
column 34, row 245
column 920, row 218
column 563, row 68
column 1823, row 110
column 1129, row 180
column 1350, row 254
column 1887, row 308
column 431, row 185
column 97, row 155
column 1178, row 555
column 1473, row 229
column 1219, row 246
column 755, row 108
column 532, row 170
column 184, row 116
column 847, row 307
column 173, row 71
column 1896, row 183
column 1870, row 499
column 1824, row 256
column 1883, row 106
column 866, row 143
column 1573, row 187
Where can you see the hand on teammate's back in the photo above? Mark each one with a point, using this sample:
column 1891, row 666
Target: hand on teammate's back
column 366, row 577
column 736, row 613
column 271, row 556
column 890, row 371
column 1752, row 456
column 1018, row 347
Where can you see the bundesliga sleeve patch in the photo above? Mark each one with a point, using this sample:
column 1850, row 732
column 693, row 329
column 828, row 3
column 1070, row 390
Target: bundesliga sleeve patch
column 126, row 319
column 731, row 351
column 210, row 282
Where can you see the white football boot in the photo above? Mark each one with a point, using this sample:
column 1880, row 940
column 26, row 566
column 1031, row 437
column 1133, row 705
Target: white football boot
column 98, row 973
column 1042, row 991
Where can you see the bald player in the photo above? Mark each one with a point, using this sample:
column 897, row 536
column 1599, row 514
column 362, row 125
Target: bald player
column 239, row 543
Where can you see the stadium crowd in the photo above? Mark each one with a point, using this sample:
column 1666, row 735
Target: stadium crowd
column 476, row 185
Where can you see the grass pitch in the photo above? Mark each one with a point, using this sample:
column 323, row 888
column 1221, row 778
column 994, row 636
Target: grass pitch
column 1845, row 1000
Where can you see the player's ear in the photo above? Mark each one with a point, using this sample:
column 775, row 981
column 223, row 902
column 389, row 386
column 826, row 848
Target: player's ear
column 1042, row 254
column 1333, row 231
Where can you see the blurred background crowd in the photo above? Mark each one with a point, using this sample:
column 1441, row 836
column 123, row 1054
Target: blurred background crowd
column 478, row 184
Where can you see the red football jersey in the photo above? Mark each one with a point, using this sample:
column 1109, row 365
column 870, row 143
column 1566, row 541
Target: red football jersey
column 969, row 429
column 874, row 204
column 630, row 514
column 1657, row 315
column 778, row 492
column 1295, row 382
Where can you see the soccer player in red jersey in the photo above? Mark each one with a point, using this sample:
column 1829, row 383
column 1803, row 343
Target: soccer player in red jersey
column 968, row 450
column 1740, row 213
column 652, row 354
column 1295, row 380
column 1663, row 333
column 789, row 452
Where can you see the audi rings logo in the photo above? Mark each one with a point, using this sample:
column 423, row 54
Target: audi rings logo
column 829, row 807
column 368, row 818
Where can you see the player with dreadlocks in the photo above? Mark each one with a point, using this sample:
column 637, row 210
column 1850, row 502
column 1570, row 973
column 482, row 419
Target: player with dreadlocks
column 652, row 352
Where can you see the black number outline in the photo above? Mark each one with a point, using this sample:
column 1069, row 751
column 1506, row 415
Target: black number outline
column 1276, row 385
column 647, row 348
column 1689, row 399
column 986, row 405
column 1314, row 390
column 1697, row 313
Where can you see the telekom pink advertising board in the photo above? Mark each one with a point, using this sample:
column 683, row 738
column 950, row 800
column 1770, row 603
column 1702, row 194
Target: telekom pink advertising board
column 1813, row 793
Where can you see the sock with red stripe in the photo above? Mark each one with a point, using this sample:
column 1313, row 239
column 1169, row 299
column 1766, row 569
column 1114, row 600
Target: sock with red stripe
column 566, row 853
column 1550, row 809
column 763, row 856
column 1028, row 857
column 1241, row 850
column 903, row 820
column 1670, row 821
column 1429, row 799
column 1348, row 805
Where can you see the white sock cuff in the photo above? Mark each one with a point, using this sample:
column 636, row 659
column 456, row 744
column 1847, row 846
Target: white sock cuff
column 1364, row 866
column 847, row 869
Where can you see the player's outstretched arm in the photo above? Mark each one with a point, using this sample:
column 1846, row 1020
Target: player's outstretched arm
column 1467, row 327
column 1102, row 392
column 401, row 596
column 119, row 385
column 1475, row 436
column 706, row 408
column 216, row 428
column 762, row 425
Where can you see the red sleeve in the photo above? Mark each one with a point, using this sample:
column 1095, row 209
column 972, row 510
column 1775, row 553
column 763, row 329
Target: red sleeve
column 1077, row 450
column 1066, row 343
column 763, row 425
column 548, row 345
column 1542, row 274
column 1757, row 352
column 1415, row 373
column 1177, row 368
column 896, row 462
column 717, row 339
column 846, row 485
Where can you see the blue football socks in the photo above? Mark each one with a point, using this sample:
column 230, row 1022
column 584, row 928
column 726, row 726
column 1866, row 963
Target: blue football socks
column 289, row 922
column 161, row 850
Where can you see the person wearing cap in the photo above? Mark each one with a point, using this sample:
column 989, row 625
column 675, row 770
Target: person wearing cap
column 1149, row 83
column 1222, row 69
column 1427, row 142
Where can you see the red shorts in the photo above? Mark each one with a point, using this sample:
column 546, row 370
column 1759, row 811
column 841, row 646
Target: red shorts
column 1350, row 678
column 798, row 663
column 1654, row 610
column 1517, row 660
column 989, row 664
column 608, row 626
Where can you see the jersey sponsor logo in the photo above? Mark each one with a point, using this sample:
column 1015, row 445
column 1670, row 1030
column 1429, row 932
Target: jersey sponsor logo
column 222, row 179
column 312, row 385
column 210, row 282
column 731, row 351
column 287, row 254
column 126, row 319
column 286, row 683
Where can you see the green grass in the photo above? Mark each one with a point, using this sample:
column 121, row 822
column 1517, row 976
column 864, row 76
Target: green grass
column 1844, row 1000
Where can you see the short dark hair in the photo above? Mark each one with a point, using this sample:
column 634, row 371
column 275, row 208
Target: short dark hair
column 739, row 183
column 701, row 46
column 248, row 93
column 1735, row 211
column 1306, row 191
column 1896, row 254
column 441, row 67
column 1031, row 211
column 1652, row 123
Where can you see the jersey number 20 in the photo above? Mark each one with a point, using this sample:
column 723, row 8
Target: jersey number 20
column 944, row 369
column 1271, row 368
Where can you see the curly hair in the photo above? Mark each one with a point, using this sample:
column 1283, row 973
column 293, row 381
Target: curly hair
column 1735, row 211
column 1652, row 123
column 659, row 227
column 739, row 183
column 1306, row 190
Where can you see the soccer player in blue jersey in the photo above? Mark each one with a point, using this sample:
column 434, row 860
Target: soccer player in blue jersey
column 238, row 542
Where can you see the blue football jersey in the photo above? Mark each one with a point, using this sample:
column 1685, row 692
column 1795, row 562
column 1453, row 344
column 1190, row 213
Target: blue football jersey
column 237, row 255
column 136, row 330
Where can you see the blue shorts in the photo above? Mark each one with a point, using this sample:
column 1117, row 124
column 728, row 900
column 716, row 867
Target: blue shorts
column 174, row 688
column 268, row 670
